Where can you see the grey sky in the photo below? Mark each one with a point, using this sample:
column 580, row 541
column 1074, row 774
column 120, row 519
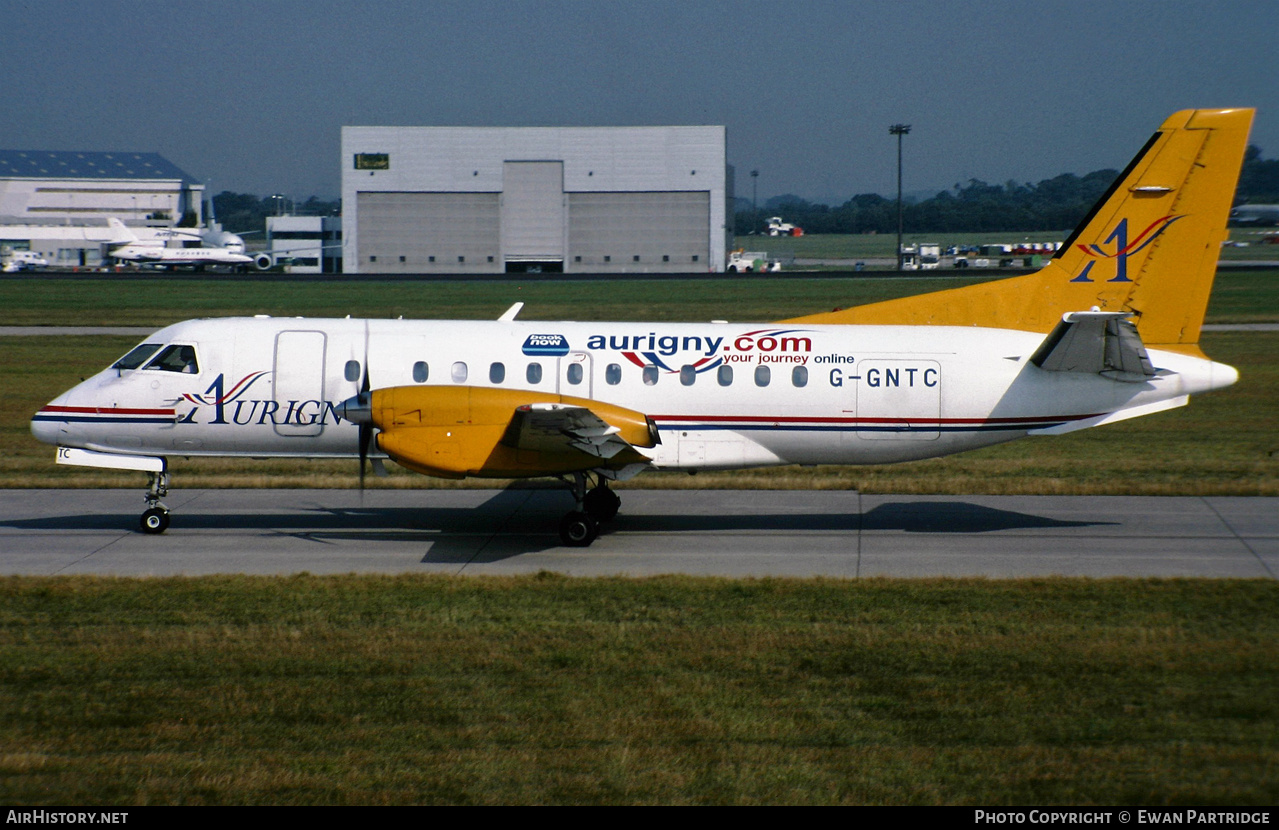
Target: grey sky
column 251, row 95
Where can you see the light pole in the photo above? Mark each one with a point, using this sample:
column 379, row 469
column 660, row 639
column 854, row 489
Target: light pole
column 899, row 130
column 754, row 201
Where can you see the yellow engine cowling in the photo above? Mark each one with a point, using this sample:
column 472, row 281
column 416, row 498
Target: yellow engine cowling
column 459, row 431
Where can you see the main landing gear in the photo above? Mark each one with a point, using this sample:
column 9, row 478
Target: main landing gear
column 155, row 519
column 579, row 527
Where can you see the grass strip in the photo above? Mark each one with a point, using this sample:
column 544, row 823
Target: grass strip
column 1238, row 297
column 553, row 690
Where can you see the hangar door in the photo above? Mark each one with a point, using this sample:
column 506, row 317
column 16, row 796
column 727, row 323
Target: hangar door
column 533, row 212
column 649, row 231
column 416, row 233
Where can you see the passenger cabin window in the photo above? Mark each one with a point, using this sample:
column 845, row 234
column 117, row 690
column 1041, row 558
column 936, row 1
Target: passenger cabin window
column 687, row 374
column 137, row 357
column 459, row 372
column 762, row 375
column 421, row 372
column 650, row 375
column 725, row 375
column 176, row 359
column 613, row 374
column 533, row 374
column 497, row 372
column 575, row 373
column 352, row 370
column 799, row 376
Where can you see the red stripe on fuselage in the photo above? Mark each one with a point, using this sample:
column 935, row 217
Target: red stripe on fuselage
column 103, row 410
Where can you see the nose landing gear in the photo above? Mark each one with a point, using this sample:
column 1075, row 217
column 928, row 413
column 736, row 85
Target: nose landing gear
column 155, row 519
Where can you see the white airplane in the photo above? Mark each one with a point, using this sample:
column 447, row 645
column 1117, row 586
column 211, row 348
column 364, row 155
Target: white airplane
column 1108, row 330
column 1255, row 215
column 128, row 247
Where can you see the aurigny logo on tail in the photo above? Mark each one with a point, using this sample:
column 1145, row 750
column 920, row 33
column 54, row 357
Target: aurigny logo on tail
column 1123, row 248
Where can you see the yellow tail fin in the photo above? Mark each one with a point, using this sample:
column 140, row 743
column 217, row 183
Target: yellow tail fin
column 1150, row 246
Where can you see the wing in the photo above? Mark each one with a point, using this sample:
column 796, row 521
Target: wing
column 552, row 427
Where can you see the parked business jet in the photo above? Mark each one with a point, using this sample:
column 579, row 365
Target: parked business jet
column 1109, row 330
column 126, row 246
column 1255, row 215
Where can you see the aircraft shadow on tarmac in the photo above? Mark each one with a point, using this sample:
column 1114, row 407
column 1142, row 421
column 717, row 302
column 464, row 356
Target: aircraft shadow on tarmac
column 515, row 522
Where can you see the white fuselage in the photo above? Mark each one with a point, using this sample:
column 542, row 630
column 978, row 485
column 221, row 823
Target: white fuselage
column 157, row 254
column 722, row 395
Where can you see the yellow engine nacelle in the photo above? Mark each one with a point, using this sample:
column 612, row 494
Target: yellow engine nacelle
column 459, row 431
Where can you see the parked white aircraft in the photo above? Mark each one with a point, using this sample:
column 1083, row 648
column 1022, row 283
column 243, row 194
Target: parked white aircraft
column 1107, row 331
column 129, row 248
column 1255, row 215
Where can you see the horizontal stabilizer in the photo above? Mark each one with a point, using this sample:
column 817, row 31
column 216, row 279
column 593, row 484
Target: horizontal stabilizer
column 1095, row 342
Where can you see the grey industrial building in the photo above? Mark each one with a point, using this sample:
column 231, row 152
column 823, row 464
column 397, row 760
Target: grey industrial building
column 57, row 203
column 504, row 199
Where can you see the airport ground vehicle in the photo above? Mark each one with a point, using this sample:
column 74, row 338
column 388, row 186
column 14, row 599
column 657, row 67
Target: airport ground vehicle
column 14, row 261
column 745, row 262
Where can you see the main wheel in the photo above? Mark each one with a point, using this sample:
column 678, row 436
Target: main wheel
column 155, row 520
column 578, row 529
column 602, row 503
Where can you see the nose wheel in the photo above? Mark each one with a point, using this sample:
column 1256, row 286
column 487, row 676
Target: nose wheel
column 155, row 519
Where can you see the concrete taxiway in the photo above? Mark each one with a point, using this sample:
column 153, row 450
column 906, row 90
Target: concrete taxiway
column 704, row 532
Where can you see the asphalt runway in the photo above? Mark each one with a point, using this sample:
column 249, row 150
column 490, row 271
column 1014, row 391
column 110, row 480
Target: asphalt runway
column 703, row 532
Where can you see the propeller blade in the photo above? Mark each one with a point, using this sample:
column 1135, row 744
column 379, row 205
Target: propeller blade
column 366, row 401
column 366, row 435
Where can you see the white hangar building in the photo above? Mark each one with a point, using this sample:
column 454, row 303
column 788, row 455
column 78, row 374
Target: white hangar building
column 511, row 199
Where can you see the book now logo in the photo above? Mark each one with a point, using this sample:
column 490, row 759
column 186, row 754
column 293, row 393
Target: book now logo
column 546, row 345
column 1123, row 248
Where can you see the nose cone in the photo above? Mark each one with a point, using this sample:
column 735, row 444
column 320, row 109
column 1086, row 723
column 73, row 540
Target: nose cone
column 49, row 424
column 45, row 431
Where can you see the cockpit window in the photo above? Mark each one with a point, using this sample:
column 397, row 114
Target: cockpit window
column 137, row 357
column 176, row 359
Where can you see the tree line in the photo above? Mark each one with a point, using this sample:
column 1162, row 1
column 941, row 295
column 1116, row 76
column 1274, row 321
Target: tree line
column 245, row 212
column 1055, row 204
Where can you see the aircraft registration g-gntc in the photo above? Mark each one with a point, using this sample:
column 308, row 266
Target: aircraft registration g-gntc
column 1108, row 330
